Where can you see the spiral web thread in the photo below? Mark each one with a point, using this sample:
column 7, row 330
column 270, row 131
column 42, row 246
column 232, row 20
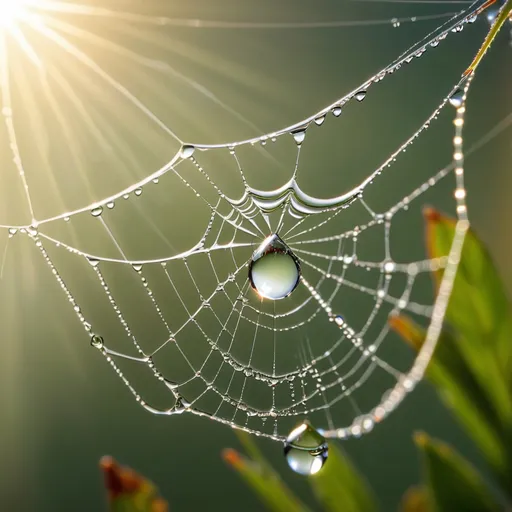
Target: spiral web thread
column 225, row 315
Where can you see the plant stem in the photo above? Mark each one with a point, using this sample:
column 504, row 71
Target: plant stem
column 501, row 18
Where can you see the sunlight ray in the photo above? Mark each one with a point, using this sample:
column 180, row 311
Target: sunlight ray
column 38, row 25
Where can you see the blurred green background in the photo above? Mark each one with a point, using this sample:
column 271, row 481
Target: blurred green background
column 62, row 406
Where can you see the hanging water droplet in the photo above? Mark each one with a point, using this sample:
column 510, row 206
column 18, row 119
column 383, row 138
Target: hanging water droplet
column 456, row 98
column 96, row 341
column 187, row 151
column 305, row 450
column 12, row 231
column 336, row 111
column 110, row 205
column 274, row 271
column 299, row 135
column 33, row 230
column 360, row 96
column 138, row 191
column 319, row 121
column 339, row 320
column 93, row 262
column 96, row 212
column 181, row 405
column 137, row 267
column 395, row 22
column 389, row 266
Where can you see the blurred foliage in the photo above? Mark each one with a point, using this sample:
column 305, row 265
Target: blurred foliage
column 128, row 491
column 472, row 371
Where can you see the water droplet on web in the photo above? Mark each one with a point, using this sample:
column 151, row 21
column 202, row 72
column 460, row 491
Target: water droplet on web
column 299, row 136
column 339, row 321
column 360, row 96
column 96, row 212
column 110, row 205
column 137, row 267
column 319, row 121
column 395, row 22
column 138, row 191
column 274, row 271
column 389, row 266
column 96, row 341
column 12, row 231
column 187, row 151
column 306, row 450
column 336, row 111
column 456, row 97
column 93, row 262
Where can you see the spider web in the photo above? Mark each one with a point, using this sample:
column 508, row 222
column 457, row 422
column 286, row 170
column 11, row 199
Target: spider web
column 187, row 324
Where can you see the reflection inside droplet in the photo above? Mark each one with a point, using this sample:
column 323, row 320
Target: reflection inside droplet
column 274, row 271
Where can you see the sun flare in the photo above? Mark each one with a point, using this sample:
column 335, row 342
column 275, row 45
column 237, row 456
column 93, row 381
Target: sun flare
column 11, row 10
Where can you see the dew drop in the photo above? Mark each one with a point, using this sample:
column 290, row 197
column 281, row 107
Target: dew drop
column 137, row 267
column 305, row 450
column 338, row 319
column 32, row 230
column 96, row 212
column 319, row 121
column 360, row 96
column 274, row 271
column 110, row 205
column 12, row 231
column 336, row 111
column 395, row 22
column 187, row 151
column 389, row 266
column 299, row 136
column 138, row 191
column 93, row 262
column 456, row 97
column 96, row 341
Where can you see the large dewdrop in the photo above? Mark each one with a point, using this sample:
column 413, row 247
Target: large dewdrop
column 306, row 450
column 274, row 271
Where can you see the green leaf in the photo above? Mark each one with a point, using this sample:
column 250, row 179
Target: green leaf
column 461, row 392
column 128, row 491
column 260, row 476
column 453, row 483
column 472, row 363
column 479, row 310
column 338, row 486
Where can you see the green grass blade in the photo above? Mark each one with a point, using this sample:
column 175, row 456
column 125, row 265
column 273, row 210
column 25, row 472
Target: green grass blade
column 479, row 311
column 461, row 392
column 453, row 483
column 339, row 488
column 262, row 478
